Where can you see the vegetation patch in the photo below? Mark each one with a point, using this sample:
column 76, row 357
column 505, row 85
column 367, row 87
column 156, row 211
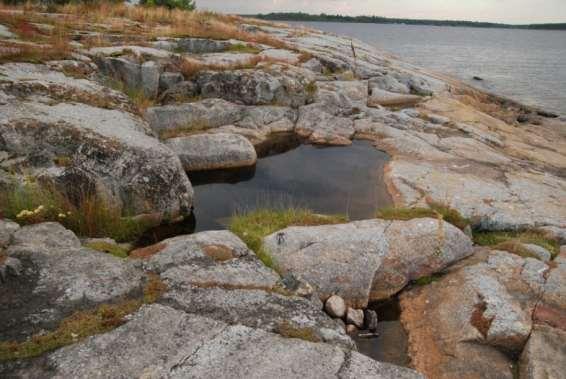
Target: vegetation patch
column 288, row 330
column 81, row 325
column 108, row 248
column 253, row 226
column 242, row 48
column 512, row 241
column 436, row 210
column 196, row 127
column 89, row 216
column 426, row 280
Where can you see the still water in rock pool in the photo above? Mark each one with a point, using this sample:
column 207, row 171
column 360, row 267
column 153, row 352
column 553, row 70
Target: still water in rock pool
column 346, row 180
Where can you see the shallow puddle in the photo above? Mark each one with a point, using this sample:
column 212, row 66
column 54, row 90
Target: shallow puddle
column 346, row 180
column 392, row 343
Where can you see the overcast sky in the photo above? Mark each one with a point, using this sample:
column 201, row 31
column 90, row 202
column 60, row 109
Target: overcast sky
column 511, row 11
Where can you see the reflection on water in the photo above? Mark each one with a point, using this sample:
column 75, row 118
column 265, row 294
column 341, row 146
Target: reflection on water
column 347, row 180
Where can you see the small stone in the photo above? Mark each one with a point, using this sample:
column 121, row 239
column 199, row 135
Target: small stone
column 355, row 317
column 370, row 320
column 538, row 251
column 351, row 329
column 10, row 266
column 335, row 306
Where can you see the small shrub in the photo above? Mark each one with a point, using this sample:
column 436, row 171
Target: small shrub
column 511, row 241
column 436, row 209
column 253, row 226
column 187, row 5
column 311, row 88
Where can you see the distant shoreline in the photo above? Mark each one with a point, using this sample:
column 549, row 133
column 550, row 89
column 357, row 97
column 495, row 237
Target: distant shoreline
column 299, row 16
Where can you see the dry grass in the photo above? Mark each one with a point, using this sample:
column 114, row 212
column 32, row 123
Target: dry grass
column 435, row 210
column 191, row 67
column 141, row 21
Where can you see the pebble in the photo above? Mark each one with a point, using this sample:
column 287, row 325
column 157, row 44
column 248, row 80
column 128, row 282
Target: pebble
column 355, row 317
column 351, row 329
column 335, row 306
column 370, row 320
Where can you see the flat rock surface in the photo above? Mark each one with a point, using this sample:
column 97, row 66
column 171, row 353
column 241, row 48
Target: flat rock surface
column 213, row 151
column 160, row 341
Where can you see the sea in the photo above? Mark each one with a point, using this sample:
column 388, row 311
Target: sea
column 525, row 65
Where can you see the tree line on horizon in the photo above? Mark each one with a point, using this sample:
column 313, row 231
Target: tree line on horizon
column 300, row 16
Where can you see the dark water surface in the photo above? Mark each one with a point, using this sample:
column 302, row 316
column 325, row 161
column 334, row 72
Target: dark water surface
column 525, row 65
column 346, row 180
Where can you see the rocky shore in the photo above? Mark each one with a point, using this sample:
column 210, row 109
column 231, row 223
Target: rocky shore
column 127, row 108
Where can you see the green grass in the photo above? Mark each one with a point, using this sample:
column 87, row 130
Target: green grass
column 242, row 48
column 81, row 325
column 195, row 127
column 31, row 202
column 426, row 280
column 288, row 330
column 253, row 226
column 311, row 88
column 511, row 241
column 108, row 248
column 436, row 210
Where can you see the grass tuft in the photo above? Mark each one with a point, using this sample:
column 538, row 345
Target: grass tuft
column 242, row 48
column 253, row 226
column 511, row 241
column 195, row 127
column 81, row 324
column 108, row 248
column 436, row 210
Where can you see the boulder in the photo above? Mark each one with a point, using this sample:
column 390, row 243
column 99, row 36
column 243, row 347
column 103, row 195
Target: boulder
column 335, row 306
column 56, row 277
column 168, row 80
column 254, row 87
column 107, row 150
column 367, row 260
column 150, row 73
column 159, row 341
column 320, row 127
column 205, row 114
column 201, row 45
column 355, row 317
column 537, row 251
column 313, row 65
column 380, row 97
column 213, row 151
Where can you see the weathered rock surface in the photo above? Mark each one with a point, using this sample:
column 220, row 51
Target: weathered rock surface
column 110, row 151
column 160, row 341
column 367, row 260
column 214, row 274
column 321, row 127
column 213, row 151
column 467, row 323
column 7, row 230
column 57, row 276
column 544, row 355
